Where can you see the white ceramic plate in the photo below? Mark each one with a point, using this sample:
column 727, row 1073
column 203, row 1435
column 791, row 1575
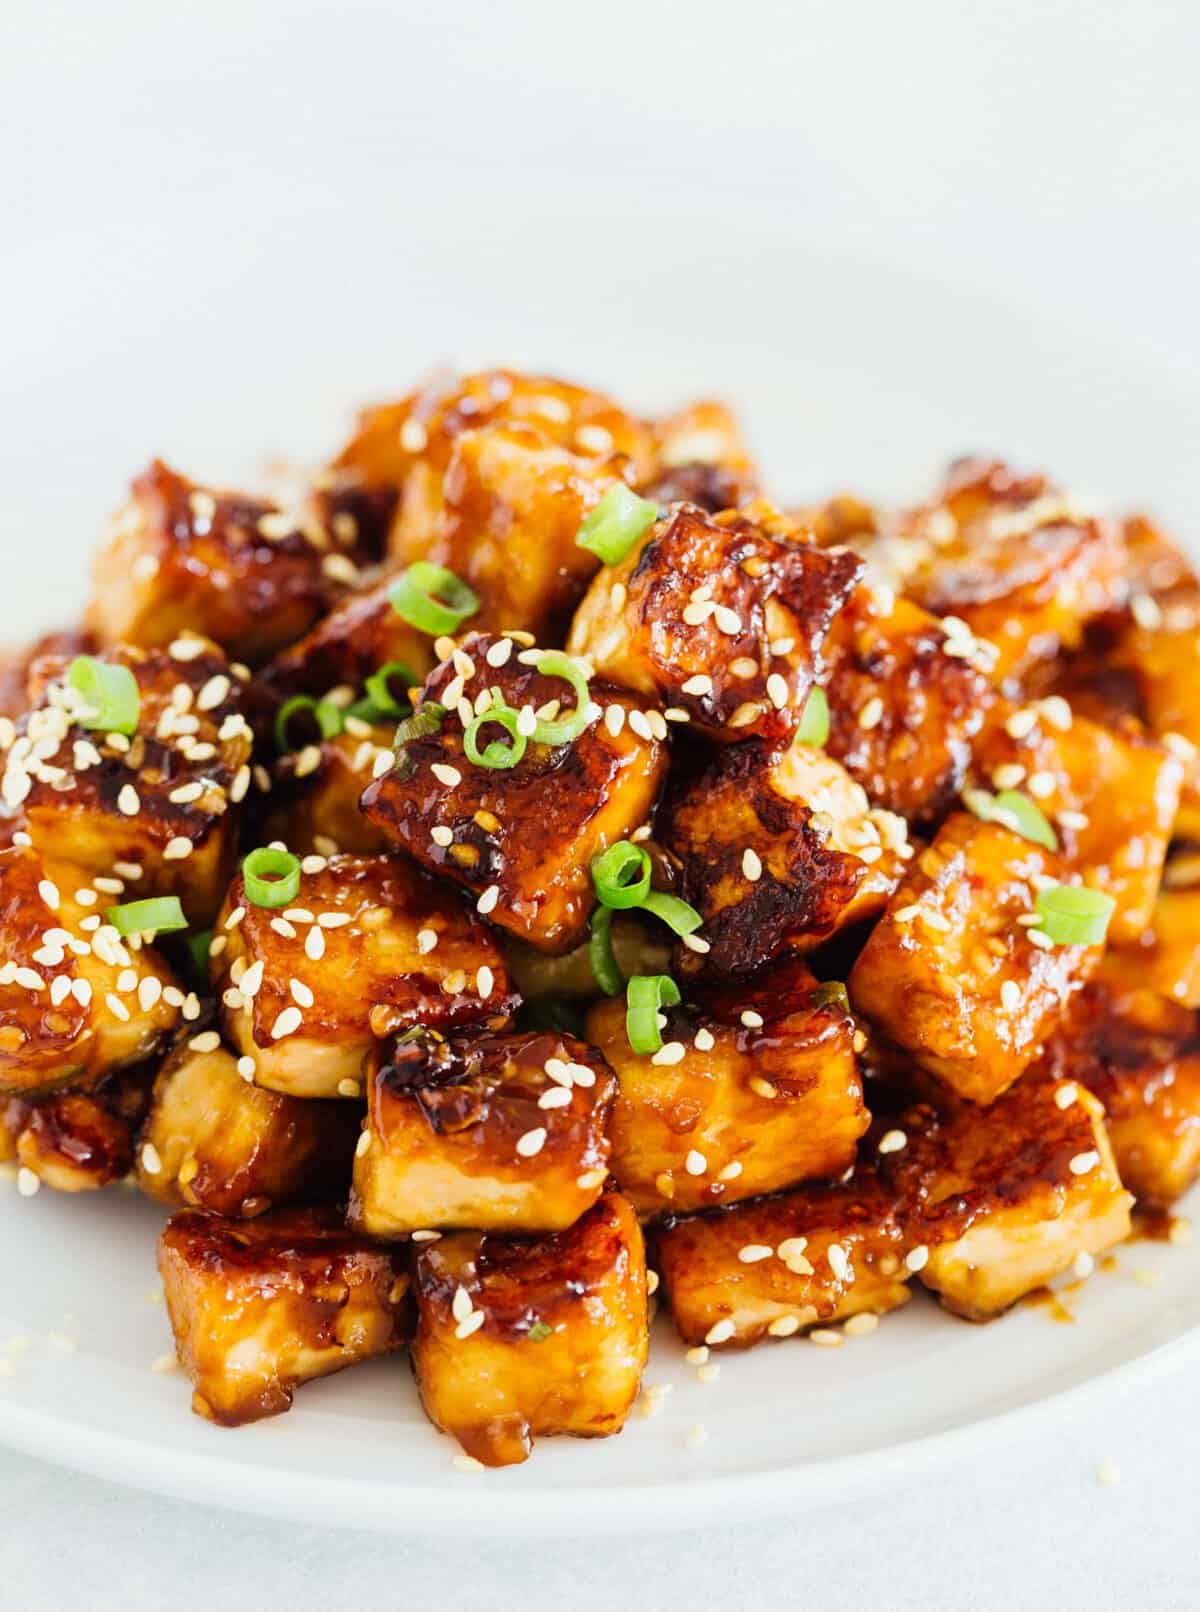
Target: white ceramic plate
column 852, row 372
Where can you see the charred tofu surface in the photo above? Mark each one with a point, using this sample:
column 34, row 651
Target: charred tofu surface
column 503, row 1133
column 777, row 849
column 155, row 812
column 521, row 838
column 521, row 1338
column 997, row 1201
column 757, row 1090
column 260, row 1307
column 958, row 972
column 778, row 1266
column 719, row 619
column 370, row 947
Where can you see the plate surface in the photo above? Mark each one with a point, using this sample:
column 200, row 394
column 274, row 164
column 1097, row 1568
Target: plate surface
column 851, row 373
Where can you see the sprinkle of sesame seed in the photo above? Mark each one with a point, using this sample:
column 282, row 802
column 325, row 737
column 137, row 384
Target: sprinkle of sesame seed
column 751, row 1019
column 731, row 1171
column 858, row 1326
column 27, row 1183
column 705, row 1041
column 1082, row 1163
column 1010, row 996
column 206, row 1041
column 128, row 801
column 777, row 691
column 697, row 613
column 427, row 939
column 826, row 1337
column 246, row 1068
column 751, row 1253
column 1021, row 723
column 917, row 1258
column 485, row 981
column 751, row 865
column 746, row 713
column 555, row 1097
column 1040, row 939
column 697, row 944
column 288, row 1022
column 487, row 901
column 441, row 835
column 445, row 774
column 720, row 1332
column 763, row 1088
column 614, row 719
column 151, row 1160
column 699, row 685
column 695, row 1163
column 671, row 1052
column 728, row 621
column 892, row 1142
column 871, row 714
column 532, row 1142
column 349, row 1088
column 784, row 1326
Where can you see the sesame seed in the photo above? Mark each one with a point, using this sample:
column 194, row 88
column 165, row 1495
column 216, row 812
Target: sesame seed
column 697, row 1356
column 777, row 691
column 450, row 776
column 288, row 1022
column 282, row 927
column 116, row 1007
column 731, row 1171
column 207, row 1041
column 128, row 801
column 363, row 1146
column 499, row 652
column 705, row 1041
column 1082, row 1163
column 469, row 1324
column 334, row 920
column 27, row 1183
column 427, row 938
column 555, row 1097
column 696, row 943
column 614, row 719
column 164, row 1364
column 531, row 1143
column 720, row 1332
column 1010, row 996
column 871, row 714
column 247, row 1068
column 700, row 684
column 784, row 1326
column 186, row 649
column 301, row 993
column 590, row 1179
column 1083, row 1265
column 191, row 1007
column 441, row 835
column 751, row 1253
column 151, row 1161
column 671, row 1052
column 640, row 724
column 751, row 865
column 488, row 899
column 892, row 1142
column 917, row 1258
column 1040, row 939
column 1021, row 723
column 826, row 1337
column 792, row 1248
column 1076, row 820
column 764, row 1088
column 745, row 714
column 839, row 1261
column 858, row 1326
column 177, row 849
column 485, row 981
column 728, row 621
column 695, row 1163
column 751, row 1019
column 697, row 613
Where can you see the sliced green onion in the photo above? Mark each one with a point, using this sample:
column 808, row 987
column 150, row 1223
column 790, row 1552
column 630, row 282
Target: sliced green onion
column 423, row 724
column 111, row 692
column 325, row 715
column 496, row 753
column 605, row 969
column 271, row 877
column 1073, row 915
column 432, row 599
column 365, row 710
column 677, row 914
column 566, row 728
column 617, row 522
column 539, row 1332
column 197, row 946
column 621, row 875
column 832, row 994
column 379, row 689
column 646, row 994
column 1012, row 810
column 813, row 727
column 158, row 915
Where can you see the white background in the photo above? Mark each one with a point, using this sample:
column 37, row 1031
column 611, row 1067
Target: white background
column 891, row 232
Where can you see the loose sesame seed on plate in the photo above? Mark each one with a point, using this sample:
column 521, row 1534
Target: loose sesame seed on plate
column 28, row 1184
column 826, row 1337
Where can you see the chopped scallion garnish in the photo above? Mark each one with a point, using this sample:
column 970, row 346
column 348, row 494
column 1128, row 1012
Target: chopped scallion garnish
column 621, row 875
column 111, row 692
column 496, row 753
column 271, row 877
column 1012, row 810
column 1073, row 915
column 813, row 727
column 563, row 729
column 615, row 525
column 325, row 716
column 645, row 996
column 157, row 915
column 380, row 692
column 432, row 599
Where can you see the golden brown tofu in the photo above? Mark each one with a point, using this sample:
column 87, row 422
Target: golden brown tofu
column 702, row 459
column 497, row 1132
column 354, row 640
column 152, row 814
column 76, row 1141
column 1168, row 960
column 521, row 839
column 260, row 1307
column 76, row 1001
column 1160, row 662
column 777, row 850
column 1111, row 798
column 16, row 665
column 316, row 790
column 907, row 699
column 755, row 1090
column 182, row 558
column 370, row 947
column 523, row 1338
column 214, row 1140
column 998, row 1201
column 1140, row 1056
column 953, row 976
column 718, row 618
column 772, row 1267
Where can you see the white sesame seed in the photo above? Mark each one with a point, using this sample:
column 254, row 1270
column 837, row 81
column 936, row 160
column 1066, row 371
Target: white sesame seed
column 282, row 927
column 695, row 1163
column 1010, row 996
column 826, row 1337
column 1082, row 1163
column 892, row 1142
column 751, row 1253
column 531, row 1143
column 1072, row 819
column 487, row 901
column 128, row 801
column 1066, row 1096
column 301, row 993
column 751, row 1019
column 777, row 691
column 728, row 621
column 177, row 849
column 671, row 1052
column 151, row 1161
column 247, row 1068
column 860, row 1325
column 555, row 1097
column 450, row 776
column 705, row 1041
column 1040, row 939
column 640, row 724
column 164, row 1364
column 720, row 1332
column 697, row 613
column 206, row 1041
column 288, row 1022
column 27, row 1183
column 349, row 1088
column 697, row 944
column 784, row 1326
column 700, row 684
column 751, row 865
column 116, row 1007
column 427, row 938
column 839, row 1262
column 871, row 714
column 917, row 1258
column 485, row 982
column 1021, row 723
column 731, row 1171
column 614, row 719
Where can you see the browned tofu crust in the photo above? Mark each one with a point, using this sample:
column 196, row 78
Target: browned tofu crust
column 345, row 647
column 77, row 1141
column 16, row 665
column 702, row 459
column 316, row 791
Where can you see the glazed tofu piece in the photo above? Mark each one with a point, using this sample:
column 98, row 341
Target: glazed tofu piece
column 1159, row 662
column 757, row 1089
column 502, row 1133
column 1075, row 770
column 213, row 1140
column 907, row 700
column 356, row 638
column 369, row 948
column 640, row 946
column 180, row 558
column 718, row 618
column 260, row 1307
column 777, row 850
column 702, row 459
column 75, row 1141
column 153, row 813
column 316, row 790
column 521, row 839
column 1168, row 961
column 77, row 1003
column 1140, row 1056
column 998, row 1201
column 776, row 1266
column 16, row 665
column 520, row 1338
column 951, row 974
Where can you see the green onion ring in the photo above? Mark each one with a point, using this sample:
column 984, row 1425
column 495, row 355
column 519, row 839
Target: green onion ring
column 325, row 714
column 562, row 731
column 432, row 599
column 645, row 995
column 1073, row 915
column 616, row 523
column 495, row 754
column 605, row 969
column 379, row 690
column 158, row 915
column 111, row 692
column 271, row 877
column 813, row 727
column 676, row 913
column 621, row 875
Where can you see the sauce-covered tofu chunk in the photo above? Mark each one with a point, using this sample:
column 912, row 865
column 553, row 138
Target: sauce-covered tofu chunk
column 718, row 618
column 345, row 647
column 316, row 790
column 260, row 1307
column 702, row 459
column 181, row 558
column 520, row 838
column 998, row 1201
column 953, row 975
column 76, row 1001
column 1168, row 960
column 777, row 850
column 1140, row 1055
column 370, row 947
column 75, row 1141
column 155, row 812
column 16, row 665
column 213, row 1140
column 521, row 1338
column 755, row 1090
column 770, row 1268
column 497, row 1132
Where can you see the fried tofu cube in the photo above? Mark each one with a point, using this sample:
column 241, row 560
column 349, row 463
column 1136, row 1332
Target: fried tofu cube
column 1168, row 961
column 521, row 839
column 702, row 459
column 260, row 1307
column 152, row 814
column 718, row 618
column 1161, row 661
column 1140, row 1056
column 214, row 1140
column 497, row 1132
column 757, row 1089
column 76, row 1141
column 76, row 1002
column 182, row 558
column 356, row 638
column 773, row 1267
column 16, row 665
column 777, row 849
column 521, row 1338
column 907, row 700
column 998, row 1201
column 316, row 790
column 1075, row 770
column 952, row 976
column 371, row 947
